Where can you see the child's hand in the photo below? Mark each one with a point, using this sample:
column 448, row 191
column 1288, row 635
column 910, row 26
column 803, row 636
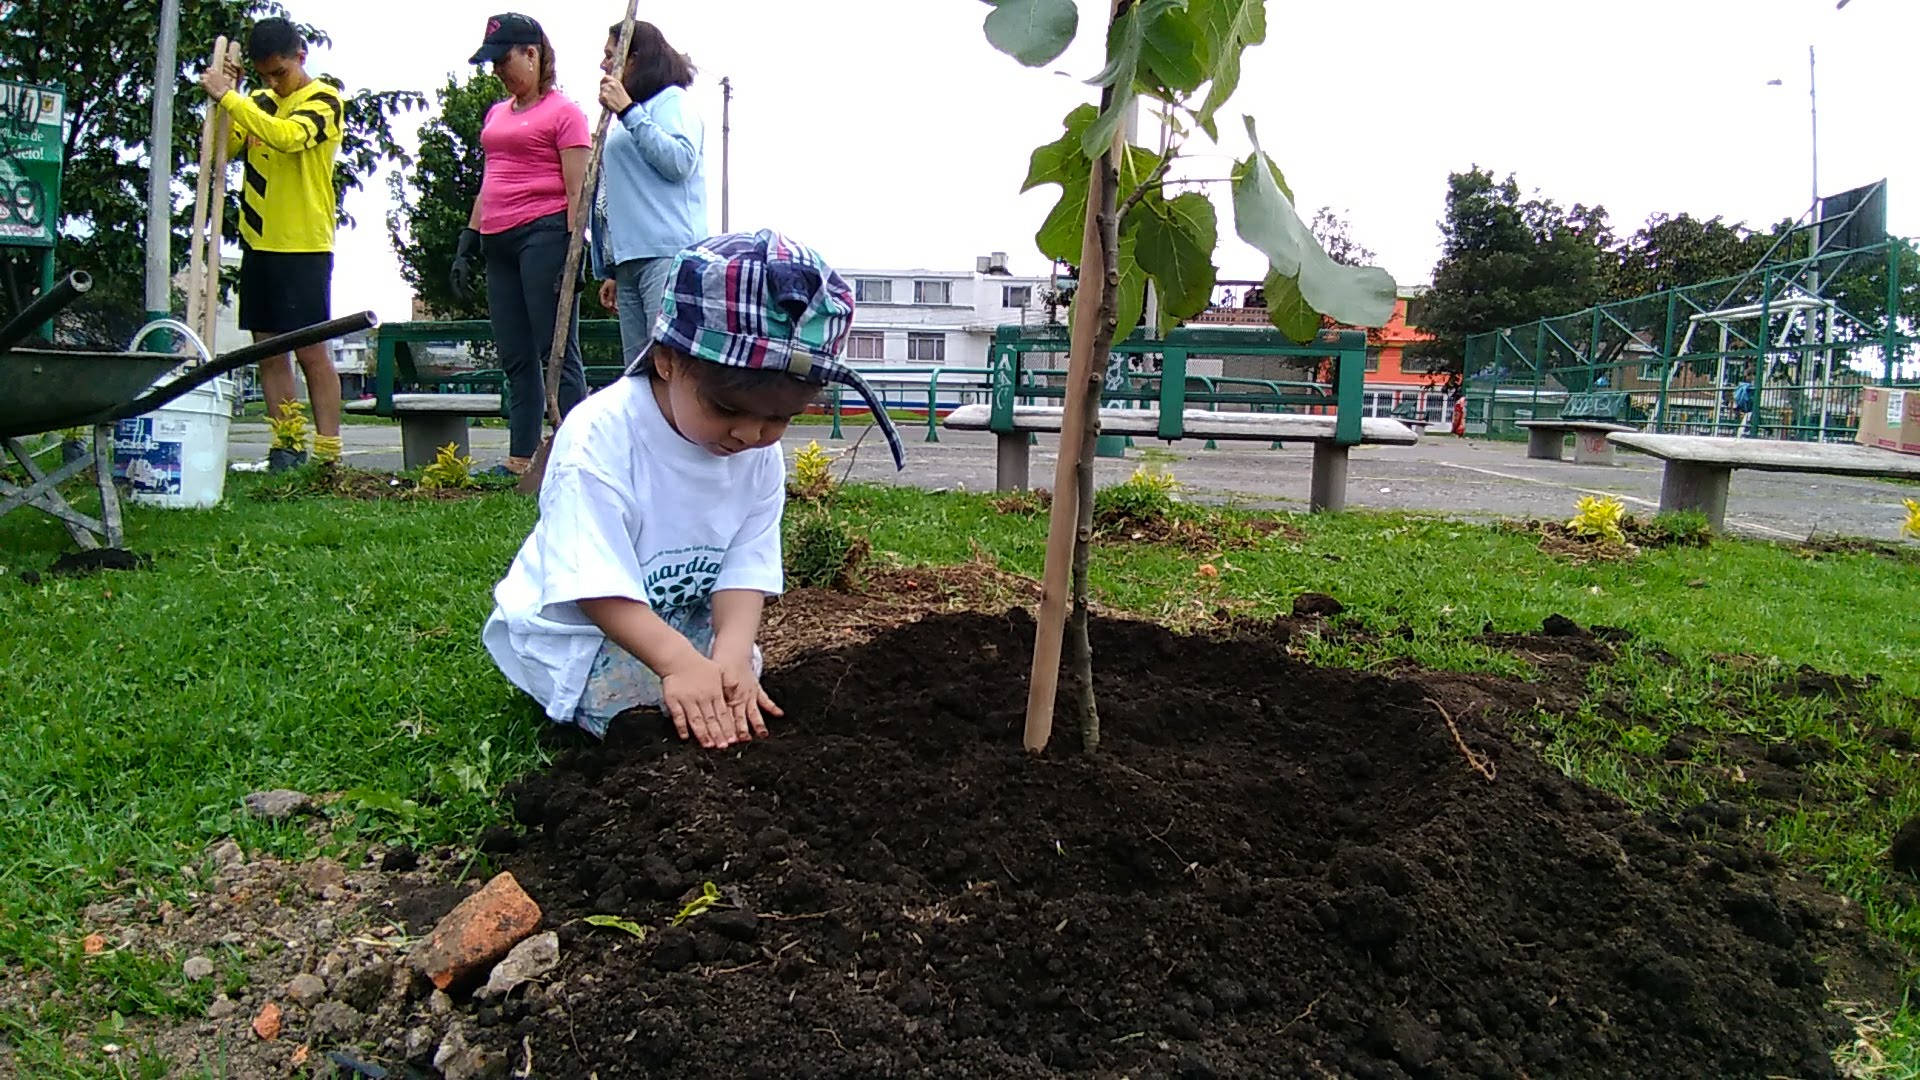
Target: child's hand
column 696, row 697
column 746, row 701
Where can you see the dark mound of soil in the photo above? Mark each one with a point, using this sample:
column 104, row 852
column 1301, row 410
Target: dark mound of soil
column 81, row 563
column 1316, row 606
column 1905, row 851
column 1269, row 870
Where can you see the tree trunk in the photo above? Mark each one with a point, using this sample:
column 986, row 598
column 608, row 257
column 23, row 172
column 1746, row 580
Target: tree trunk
column 1086, row 708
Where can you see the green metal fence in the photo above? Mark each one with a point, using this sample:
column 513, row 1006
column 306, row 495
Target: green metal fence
column 1780, row 353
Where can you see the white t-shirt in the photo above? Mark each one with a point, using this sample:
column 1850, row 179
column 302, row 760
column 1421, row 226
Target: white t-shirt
column 630, row 509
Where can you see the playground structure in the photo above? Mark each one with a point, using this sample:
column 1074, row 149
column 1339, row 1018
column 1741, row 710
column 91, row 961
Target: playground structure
column 1781, row 352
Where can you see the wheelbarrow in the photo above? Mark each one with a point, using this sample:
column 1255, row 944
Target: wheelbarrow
column 47, row 390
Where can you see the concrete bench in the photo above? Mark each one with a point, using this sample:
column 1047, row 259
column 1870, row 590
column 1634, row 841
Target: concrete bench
column 431, row 421
column 1547, row 440
column 1699, row 467
column 1329, row 481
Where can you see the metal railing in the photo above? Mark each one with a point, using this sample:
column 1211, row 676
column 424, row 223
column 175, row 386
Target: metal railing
column 1782, row 353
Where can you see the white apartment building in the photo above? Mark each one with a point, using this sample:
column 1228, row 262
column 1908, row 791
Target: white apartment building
column 924, row 317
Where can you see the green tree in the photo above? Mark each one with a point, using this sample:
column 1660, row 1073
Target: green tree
column 102, row 55
column 1508, row 259
column 1675, row 251
column 1331, row 229
column 433, row 196
column 1115, row 221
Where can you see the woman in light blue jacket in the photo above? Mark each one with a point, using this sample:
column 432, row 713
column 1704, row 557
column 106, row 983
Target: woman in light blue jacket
column 652, row 199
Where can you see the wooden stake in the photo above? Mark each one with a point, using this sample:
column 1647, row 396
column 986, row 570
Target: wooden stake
column 576, row 245
column 1062, row 522
column 196, row 240
column 217, row 213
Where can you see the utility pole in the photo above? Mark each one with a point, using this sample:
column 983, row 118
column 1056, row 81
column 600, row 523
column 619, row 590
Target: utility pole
column 1813, row 109
column 726, row 152
column 166, row 71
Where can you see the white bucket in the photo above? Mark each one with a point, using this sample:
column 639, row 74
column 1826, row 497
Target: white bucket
column 176, row 455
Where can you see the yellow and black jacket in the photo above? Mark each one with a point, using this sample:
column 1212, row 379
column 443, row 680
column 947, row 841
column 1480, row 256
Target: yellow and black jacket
column 287, row 198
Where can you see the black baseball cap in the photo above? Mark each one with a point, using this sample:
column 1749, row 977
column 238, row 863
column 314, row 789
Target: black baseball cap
column 503, row 33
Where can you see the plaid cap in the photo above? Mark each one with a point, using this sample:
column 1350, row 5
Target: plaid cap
column 760, row 300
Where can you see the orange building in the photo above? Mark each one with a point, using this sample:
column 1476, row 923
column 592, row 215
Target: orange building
column 1396, row 384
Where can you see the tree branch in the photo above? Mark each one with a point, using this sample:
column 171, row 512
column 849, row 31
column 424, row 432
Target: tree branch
column 1152, row 181
column 1079, row 636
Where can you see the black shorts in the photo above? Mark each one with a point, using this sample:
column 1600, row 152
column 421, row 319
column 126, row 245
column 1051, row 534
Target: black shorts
column 285, row 290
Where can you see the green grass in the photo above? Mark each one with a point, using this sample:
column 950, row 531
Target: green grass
column 326, row 644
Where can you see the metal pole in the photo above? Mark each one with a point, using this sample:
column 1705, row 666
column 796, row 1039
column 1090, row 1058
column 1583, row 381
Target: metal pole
column 1813, row 108
column 726, row 153
column 166, row 71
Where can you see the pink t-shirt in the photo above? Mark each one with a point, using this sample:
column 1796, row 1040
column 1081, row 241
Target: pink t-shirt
column 523, row 180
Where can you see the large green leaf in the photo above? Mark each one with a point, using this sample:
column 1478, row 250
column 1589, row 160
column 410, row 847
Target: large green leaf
column 1176, row 241
column 1265, row 218
column 1034, row 32
column 1126, row 42
column 1288, row 309
column 1176, row 49
column 1230, row 26
column 1061, row 162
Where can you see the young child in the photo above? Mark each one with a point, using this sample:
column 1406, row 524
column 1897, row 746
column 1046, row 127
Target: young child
column 659, row 534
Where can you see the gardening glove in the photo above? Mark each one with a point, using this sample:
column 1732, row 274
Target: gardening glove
column 464, row 254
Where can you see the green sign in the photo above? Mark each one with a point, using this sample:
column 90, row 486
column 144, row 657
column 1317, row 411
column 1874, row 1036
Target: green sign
column 31, row 153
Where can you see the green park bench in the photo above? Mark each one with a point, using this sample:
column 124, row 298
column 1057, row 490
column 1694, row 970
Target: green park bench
column 1167, row 401
column 436, row 408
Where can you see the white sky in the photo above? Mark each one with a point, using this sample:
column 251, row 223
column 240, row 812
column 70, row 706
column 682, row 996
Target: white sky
column 888, row 133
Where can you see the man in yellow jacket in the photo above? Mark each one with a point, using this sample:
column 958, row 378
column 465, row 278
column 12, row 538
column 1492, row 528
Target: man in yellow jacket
column 287, row 134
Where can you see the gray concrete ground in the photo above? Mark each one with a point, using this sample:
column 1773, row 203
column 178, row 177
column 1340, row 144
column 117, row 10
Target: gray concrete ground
column 1440, row 475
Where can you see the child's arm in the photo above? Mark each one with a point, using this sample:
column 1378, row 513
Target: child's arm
column 692, row 687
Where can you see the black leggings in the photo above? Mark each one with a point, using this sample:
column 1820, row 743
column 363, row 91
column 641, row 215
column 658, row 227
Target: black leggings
column 524, row 265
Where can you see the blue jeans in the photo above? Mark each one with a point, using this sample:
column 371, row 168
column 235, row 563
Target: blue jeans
column 640, row 289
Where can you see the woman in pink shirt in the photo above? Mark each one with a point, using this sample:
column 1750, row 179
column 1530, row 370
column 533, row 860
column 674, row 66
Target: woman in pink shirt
column 536, row 146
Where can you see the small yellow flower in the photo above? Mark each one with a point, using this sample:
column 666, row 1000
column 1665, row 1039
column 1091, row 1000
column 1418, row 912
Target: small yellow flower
column 812, row 471
column 449, row 470
column 290, row 427
column 1596, row 518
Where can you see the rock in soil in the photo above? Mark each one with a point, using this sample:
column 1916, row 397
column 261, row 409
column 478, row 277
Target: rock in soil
column 532, row 959
column 334, row 1022
column 1269, row 869
column 477, row 933
column 458, row 1060
column 197, row 968
column 266, row 1023
column 306, row 989
column 279, row 804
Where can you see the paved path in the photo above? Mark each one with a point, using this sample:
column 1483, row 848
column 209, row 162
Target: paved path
column 1440, row 475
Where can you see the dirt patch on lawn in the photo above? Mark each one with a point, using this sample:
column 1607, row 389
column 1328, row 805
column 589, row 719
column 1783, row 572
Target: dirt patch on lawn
column 1270, row 869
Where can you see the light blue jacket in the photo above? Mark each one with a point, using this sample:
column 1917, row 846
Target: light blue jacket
column 652, row 198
